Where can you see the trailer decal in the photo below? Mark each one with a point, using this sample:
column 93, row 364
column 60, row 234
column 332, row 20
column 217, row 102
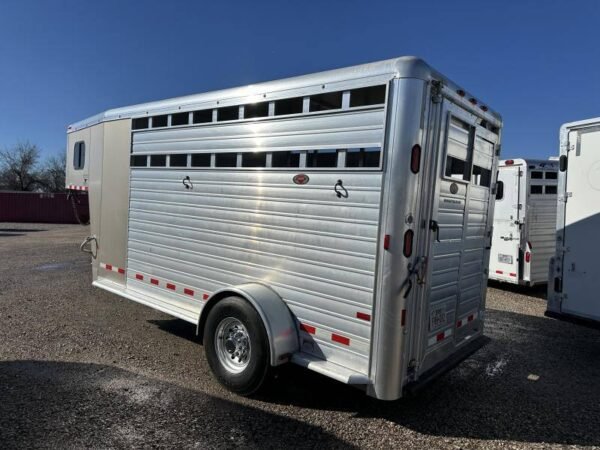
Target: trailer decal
column 307, row 328
column 77, row 188
column 112, row 268
column 167, row 284
column 333, row 336
column 440, row 337
column 363, row 316
column 341, row 339
column 467, row 319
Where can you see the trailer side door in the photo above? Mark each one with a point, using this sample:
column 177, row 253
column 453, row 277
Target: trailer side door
column 581, row 270
column 504, row 259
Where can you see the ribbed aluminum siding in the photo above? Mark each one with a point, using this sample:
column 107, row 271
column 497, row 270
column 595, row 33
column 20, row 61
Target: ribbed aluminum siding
column 317, row 251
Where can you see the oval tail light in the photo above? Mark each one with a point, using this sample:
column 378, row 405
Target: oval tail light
column 408, row 243
column 527, row 257
column 415, row 159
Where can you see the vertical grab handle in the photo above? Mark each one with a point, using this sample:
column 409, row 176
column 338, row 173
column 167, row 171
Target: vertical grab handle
column 435, row 227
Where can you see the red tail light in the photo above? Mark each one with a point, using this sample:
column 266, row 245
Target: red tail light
column 527, row 257
column 415, row 158
column 408, row 242
column 509, row 162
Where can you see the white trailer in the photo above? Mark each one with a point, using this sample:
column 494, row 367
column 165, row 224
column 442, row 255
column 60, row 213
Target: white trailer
column 524, row 221
column 338, row 220
column 574, row 270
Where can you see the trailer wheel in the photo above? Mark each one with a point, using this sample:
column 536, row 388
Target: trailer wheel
column 236, row 345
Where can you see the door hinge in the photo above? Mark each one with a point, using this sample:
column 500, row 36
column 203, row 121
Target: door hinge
column 563, row 198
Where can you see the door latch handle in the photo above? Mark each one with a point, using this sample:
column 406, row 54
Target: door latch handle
column 83, row 247
column 340, row 190
column 188, row 183
column 435, row 227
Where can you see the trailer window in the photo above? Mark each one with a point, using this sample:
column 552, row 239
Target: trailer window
column 373, row 95
column 228, row 113
column 322, row 158
column 256, row 110
column 139, row 123
column 289, row 106
column 551, row 175
column 226, row 160
column 481, row 176
column 180, row 119
column 160, row 121
column 139, row 160
column 500, row 190
column 201, row 160
column 158, row 160
column 79, row 155
column 536, row 188
column 551, row 190
column 363, row 157
column 203, row 116
column 537, row 175
column 324, row 102
column 456, row 168
column 286, row 159
column 254, row 159
column 178, row 160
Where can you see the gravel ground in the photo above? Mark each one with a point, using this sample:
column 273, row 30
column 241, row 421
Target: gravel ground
column 80, row 367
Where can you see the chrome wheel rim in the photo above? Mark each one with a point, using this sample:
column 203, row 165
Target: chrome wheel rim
column 232, row 345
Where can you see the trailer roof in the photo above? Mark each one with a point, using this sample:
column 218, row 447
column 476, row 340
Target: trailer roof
column 402, row 67
column 581, row 123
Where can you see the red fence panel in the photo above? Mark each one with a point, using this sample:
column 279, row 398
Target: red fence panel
column 42, row 207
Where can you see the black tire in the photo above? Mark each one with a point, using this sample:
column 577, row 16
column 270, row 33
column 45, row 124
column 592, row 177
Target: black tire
column 251, row 378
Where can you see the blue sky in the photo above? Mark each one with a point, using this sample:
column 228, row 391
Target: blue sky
column 536, row 62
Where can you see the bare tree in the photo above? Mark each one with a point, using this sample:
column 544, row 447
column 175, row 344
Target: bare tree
column 19, row 169
column 53, row 173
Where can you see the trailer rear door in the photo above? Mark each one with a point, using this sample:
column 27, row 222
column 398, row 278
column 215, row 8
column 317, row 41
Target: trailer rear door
column 459, row 240
column 504, row 259
column 581, row 271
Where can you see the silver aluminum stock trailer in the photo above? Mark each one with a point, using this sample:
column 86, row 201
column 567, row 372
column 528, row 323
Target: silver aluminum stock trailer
column 339, row 220
column 524, row 221
column 574, row 270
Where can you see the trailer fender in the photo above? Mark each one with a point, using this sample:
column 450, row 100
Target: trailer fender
column 276, row 316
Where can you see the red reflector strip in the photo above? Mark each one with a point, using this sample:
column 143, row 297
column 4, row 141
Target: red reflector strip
column 440, row 337
column 386, row 242
column 363, row 316
column 499, row 271
column 154, row 281
column 470, row 318
column 308, row 328
column 188, row 291
column 513, row 274
column 171, row 286
column 121, row 271
column 403, row 318
column 204, row 296
column 139, row 276
column 109, row 267
column 340, row 339
column 459, row 324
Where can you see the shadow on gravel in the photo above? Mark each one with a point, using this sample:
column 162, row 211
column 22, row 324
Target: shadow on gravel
column 177, row 327
column 535, row 382
column 11, row 234
column 495, row 394
column 538, row 291
column 21, row 230
column 55, row 404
